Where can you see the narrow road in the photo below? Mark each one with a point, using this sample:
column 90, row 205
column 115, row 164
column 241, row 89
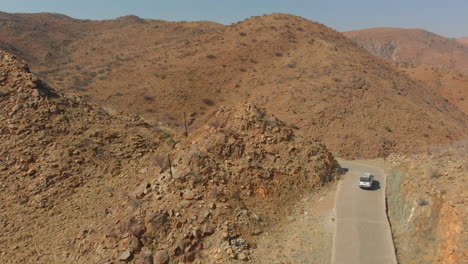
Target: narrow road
column 362, row 231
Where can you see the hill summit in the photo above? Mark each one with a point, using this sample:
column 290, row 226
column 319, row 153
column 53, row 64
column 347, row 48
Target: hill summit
column 306, row 74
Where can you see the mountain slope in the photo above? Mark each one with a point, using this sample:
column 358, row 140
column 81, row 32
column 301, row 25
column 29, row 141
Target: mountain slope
column 464, row 41
column 81, row 186
column 414, row 46
column 452, row 85
column 307, row 74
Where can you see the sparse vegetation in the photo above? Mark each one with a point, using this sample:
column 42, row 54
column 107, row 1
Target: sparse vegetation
column 432, row 172
column 148, row 98
column 165, row 134
column 208, row 101
column 423, row 201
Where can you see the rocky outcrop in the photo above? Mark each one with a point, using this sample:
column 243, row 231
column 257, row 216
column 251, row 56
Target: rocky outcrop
column 425, row 205
column 101, row 188
column 227, row 183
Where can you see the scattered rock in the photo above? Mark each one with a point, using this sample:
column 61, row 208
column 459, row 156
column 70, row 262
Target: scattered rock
column 161, row 257
column 242, row 256
column 145, row 257
column 126, row 255
column 189, row 195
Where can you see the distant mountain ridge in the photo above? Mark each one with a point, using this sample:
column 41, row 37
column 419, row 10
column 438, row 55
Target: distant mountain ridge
column 414, row 46
column 463, row 40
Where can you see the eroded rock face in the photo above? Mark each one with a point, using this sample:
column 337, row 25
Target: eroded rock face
column 426, row 204
column 51, row 146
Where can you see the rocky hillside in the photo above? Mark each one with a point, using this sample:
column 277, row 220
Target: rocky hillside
column 426, row 204
column 308, row 75
column 413, row 46
column 233, row 179
column 81, row 186
column 58, row 155
column 452, row 85
column 440, row 63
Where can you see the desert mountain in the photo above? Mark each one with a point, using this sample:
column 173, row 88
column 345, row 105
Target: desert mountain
column 464, row 41
column 309, row 75
column 413, row 46
column 452, row 85
column 81, row 186
column 425, row 56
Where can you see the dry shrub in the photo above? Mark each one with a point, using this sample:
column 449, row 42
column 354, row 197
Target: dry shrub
column 423, row 201
column 208, row 101
column 148, row 98
column 432, row 172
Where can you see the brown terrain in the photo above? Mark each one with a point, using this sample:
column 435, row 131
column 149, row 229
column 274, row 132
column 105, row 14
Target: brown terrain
column 441, row 63
column 413, row 46
column 452, row 85
column 464, row 41
column 95, row 166
column 426, row 204
column 309, row 75
column 81, row 186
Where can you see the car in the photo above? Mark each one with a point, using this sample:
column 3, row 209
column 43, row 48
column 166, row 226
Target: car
column 366, row 181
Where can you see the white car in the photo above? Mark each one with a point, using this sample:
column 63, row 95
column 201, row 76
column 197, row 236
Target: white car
column 366, row 180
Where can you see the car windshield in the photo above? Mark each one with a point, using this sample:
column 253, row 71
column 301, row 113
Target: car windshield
column 365, row 179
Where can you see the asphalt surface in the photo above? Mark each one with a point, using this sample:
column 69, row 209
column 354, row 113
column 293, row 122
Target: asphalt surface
column 362, row 231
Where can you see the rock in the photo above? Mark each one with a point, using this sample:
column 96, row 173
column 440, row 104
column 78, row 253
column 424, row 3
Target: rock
column 155, row 222
column 145, row 257
column 126, row 255
column 35, row 93
column 132, row 226
column 30, row 84
column 142, row 190
column 131, row 243
column 242, row 256
column 161, row 257
column 256, row 232
column 208, row 230
column 189, row 195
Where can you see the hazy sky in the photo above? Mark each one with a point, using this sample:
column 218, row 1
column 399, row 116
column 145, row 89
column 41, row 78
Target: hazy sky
column 445, row 17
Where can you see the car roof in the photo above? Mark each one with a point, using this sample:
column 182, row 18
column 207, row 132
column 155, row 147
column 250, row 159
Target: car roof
column 366, row 174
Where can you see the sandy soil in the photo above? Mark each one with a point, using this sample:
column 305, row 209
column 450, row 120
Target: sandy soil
column 306, row 236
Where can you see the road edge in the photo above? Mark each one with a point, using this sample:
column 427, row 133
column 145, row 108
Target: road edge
column 338, row 189
column 388, row 217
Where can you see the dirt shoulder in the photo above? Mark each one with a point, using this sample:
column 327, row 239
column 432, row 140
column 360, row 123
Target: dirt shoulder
column 306, row 236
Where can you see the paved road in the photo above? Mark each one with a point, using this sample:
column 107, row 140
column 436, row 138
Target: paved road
column 362, row 231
